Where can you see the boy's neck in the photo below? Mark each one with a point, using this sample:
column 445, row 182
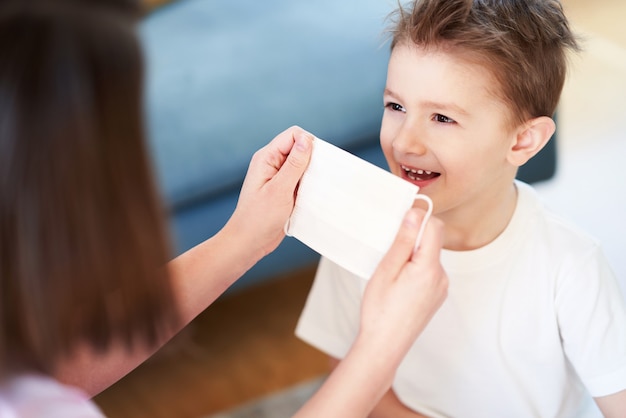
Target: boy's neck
column 481, row 224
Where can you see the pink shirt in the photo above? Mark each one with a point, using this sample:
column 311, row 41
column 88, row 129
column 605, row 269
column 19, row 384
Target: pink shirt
column 38, row 396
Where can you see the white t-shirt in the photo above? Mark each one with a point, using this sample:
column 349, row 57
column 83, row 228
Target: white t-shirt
column 37, row 396
column 534, row 325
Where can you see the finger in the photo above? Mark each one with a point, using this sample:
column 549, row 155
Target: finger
column 293, row 168
column 283, row 143
column 402, row 247
column 432, row 240
column 267, row 161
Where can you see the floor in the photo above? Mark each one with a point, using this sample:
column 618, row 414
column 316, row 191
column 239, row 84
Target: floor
column 242, row 348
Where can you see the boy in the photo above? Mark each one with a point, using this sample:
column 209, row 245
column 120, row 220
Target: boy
column 534, row 324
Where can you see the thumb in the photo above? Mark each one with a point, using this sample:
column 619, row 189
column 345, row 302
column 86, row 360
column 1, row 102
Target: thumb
column 402, row 248
column 297, row 161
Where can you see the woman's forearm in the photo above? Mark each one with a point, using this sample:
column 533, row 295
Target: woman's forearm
column 198, row 277
column 202, row 274
column 357, row 384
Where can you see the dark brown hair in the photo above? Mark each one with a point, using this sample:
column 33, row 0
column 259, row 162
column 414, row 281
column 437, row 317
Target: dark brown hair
column 82, row 238
column 523, row 43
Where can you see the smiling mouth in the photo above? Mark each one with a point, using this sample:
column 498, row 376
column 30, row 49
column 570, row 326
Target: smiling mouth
column 418, row 174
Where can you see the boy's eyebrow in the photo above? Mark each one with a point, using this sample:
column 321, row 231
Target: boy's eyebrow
column 388, row 92
column 443, row 106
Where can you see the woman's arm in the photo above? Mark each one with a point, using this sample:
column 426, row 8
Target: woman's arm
column 203, row 273
column 254, row 230
column 400, row 299
column 613, row 406
column 390, row 406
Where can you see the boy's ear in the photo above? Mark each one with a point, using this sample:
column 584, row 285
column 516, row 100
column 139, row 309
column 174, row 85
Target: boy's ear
column 530, row 139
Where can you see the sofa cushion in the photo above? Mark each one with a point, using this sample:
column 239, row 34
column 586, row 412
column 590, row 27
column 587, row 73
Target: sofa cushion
column 223, row 78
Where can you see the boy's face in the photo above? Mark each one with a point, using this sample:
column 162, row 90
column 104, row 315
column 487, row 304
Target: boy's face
column 445, row 130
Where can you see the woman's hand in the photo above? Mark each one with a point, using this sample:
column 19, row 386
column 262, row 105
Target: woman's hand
column 405, row 291
column 268, row 193
column 407, row 288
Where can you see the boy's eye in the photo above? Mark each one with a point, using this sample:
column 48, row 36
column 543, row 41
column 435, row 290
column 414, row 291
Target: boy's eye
column 395, row 107
column 443, row 119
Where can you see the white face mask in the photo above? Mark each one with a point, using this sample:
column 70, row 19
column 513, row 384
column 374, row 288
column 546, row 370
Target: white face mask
column 350, row 210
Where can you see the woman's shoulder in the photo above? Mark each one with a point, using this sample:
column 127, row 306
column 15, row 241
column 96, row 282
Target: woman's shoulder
column 34, row 395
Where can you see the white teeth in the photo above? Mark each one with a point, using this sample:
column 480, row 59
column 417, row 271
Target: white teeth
column 414, row 171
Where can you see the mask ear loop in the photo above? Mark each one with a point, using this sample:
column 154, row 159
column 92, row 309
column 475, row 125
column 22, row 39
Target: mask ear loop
column 429, row 212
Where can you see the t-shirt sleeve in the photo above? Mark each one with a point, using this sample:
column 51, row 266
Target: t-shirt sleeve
column 331, row 314
column 592, row 320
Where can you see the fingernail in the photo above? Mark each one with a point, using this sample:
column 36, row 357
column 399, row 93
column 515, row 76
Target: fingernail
column 410, row 219
column 303, row 141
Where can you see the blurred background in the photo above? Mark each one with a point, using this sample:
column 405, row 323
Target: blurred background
column 590, row 183
column 240, row 358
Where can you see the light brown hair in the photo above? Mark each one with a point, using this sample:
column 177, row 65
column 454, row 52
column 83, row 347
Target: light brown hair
column 524, row 44
column 82, row 237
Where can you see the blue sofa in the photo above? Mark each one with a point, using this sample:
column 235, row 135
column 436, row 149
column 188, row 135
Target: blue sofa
column 224, row 77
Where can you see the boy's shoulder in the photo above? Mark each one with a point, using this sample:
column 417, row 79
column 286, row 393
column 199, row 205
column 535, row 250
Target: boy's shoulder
column 550, row 229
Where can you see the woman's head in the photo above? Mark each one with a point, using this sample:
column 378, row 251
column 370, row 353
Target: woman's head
column 82, row 242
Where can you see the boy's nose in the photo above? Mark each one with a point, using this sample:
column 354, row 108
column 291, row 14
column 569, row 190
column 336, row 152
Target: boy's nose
column 408, row 141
